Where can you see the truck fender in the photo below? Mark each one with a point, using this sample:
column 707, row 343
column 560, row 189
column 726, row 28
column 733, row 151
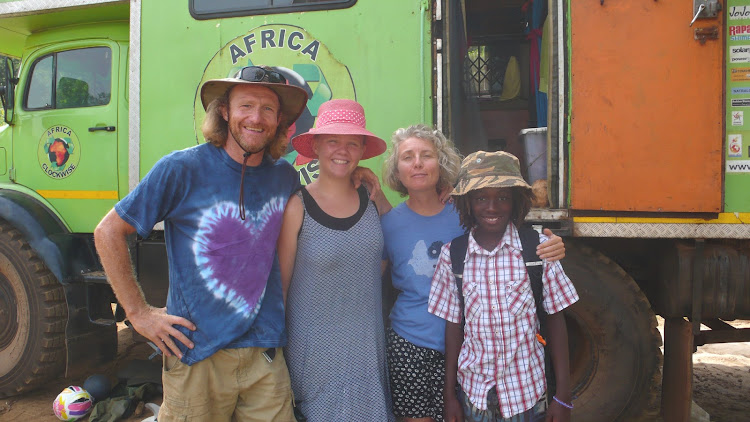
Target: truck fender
column 44, row 231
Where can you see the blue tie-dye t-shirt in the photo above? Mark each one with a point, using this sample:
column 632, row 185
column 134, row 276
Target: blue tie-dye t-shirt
column 223, row 271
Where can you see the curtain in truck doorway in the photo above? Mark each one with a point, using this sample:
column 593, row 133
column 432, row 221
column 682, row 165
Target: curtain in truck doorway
column 463, row 122
column 536, row 12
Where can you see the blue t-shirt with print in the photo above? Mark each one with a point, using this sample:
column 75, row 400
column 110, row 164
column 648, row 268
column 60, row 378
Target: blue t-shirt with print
column 223, row 271
column 412, row 245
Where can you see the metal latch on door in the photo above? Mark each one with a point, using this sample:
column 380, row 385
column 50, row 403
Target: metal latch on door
column 706, row 9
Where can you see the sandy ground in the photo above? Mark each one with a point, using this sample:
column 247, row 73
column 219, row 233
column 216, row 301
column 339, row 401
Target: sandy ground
column 721, row 379
column 721, row 382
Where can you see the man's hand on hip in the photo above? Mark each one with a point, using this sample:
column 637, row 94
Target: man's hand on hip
column 158, row 326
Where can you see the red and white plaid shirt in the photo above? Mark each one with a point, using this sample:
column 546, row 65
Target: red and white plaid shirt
column 500, row 346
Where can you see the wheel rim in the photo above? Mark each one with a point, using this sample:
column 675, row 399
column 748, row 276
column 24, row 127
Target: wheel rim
column 14, row 340
column 8, row 313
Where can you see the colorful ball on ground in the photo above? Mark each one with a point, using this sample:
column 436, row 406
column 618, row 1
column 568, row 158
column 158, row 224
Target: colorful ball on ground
column 72, row 404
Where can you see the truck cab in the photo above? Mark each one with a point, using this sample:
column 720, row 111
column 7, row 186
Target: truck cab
column 66, row 124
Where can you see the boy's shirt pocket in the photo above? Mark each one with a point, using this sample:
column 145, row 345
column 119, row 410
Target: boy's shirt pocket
column 519, row 297
column 472, row 300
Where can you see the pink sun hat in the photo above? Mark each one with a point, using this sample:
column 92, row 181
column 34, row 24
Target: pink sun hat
column 339, row 117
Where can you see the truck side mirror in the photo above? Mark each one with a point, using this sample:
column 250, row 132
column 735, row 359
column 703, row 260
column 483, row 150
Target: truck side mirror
column 7, row 92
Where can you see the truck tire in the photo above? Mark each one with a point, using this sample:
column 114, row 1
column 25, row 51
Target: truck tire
column 615, row 350
column 33, row 314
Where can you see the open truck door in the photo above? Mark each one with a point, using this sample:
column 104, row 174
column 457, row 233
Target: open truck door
column 646, row 109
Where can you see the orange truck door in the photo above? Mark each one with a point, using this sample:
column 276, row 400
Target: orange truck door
column 646, row 106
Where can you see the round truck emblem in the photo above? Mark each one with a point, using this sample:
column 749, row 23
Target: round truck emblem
column 59, row 152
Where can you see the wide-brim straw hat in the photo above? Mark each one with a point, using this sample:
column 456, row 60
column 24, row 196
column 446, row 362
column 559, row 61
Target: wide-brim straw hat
column 483, row 169
column 339, row 117
column 292, row 99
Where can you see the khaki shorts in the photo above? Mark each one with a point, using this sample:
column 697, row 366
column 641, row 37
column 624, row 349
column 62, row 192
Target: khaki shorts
column 230, row 385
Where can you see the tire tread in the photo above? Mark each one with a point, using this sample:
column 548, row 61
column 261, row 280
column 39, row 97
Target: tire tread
column 50, row 361
column 644, row 404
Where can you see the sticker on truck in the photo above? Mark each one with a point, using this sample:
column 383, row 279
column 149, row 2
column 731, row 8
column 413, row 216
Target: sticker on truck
column 739, row 54
column 734, row 145
column 738, row 118
column 739, row 12
column 741, row 74
column 738, row 166
column 59, row 152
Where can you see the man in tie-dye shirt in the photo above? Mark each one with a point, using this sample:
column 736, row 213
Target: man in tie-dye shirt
column 221, row 203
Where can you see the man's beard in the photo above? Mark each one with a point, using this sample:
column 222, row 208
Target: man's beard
column 252, row 148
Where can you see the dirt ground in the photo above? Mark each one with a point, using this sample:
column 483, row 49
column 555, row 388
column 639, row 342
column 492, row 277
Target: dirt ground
column 37, row 405
column 721, row 382
column 721, row 379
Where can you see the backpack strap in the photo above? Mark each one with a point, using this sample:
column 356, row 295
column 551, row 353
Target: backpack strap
column 458, row 248
column 535, row 269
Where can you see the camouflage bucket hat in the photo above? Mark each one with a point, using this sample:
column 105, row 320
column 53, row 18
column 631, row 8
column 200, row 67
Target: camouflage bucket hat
column 483, row 169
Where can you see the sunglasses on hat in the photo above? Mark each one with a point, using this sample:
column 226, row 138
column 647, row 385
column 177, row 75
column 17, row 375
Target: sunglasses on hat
column 258, row 74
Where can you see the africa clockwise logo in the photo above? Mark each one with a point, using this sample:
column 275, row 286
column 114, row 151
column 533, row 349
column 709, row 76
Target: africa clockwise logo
column 59, row 152
column 302, row 59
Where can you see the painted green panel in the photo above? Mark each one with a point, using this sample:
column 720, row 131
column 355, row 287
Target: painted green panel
column 12, row 44
column 3, row 162
column 737, row 155
column 385, row 50
column 6, row 137
column 82, row 215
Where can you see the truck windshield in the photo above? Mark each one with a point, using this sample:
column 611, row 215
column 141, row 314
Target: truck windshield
column 208, row 9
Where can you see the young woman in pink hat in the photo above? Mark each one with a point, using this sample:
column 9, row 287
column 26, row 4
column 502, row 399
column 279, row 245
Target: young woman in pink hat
column 330, row 251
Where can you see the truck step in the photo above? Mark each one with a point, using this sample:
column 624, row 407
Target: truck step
column 98, row 277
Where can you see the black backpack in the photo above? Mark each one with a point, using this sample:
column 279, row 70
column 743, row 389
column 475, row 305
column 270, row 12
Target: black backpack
column 529, row 241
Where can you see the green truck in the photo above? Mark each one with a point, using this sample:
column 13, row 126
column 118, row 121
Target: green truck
column 641, row 153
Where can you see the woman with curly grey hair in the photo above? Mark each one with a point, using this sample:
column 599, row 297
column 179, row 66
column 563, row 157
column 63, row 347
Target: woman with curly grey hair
column 422, row 163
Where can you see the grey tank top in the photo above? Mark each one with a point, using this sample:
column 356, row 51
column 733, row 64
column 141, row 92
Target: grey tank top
column 336, row 348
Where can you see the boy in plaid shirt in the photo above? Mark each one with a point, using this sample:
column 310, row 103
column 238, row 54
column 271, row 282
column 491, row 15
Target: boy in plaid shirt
column 496, row 357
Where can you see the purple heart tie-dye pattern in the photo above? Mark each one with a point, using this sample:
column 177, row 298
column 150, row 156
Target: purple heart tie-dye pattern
column 235, row 256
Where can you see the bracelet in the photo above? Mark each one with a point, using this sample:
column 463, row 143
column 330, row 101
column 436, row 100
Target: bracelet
column 562, row 403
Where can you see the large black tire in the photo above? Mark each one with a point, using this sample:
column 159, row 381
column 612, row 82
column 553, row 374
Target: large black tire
column 615, row 345
column 33, row 314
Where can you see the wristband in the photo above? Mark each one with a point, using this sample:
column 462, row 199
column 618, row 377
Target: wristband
column 562, row 403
